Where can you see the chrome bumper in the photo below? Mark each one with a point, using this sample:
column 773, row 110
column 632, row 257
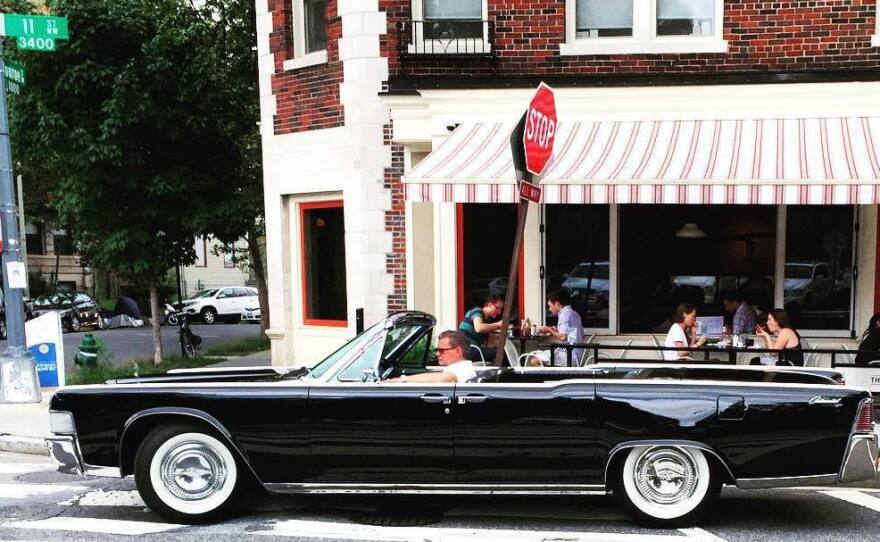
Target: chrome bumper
column 860, row 461
column 64, row 451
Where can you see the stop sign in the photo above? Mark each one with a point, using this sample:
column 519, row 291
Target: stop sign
column 539, row 131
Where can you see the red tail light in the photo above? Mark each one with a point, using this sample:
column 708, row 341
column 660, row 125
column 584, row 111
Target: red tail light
column 865, row 419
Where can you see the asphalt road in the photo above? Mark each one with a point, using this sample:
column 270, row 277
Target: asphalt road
column 125, row 344
column 37, row 503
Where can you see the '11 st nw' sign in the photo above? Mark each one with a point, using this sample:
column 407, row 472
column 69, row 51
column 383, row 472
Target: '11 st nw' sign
column 34, row 32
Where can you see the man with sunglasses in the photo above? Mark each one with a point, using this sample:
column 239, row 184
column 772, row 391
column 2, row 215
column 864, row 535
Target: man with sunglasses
column 451, row 346
column 478, row 323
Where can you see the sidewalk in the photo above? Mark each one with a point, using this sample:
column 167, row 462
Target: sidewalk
column 24, row 426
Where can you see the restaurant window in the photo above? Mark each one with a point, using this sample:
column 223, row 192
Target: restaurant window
column 577, row 259
column 62, row 243
column 643, row 27
column 452, row 19
column 819, row 266
column 671, row 254
column 33, row 235
column 323, row 263
column 486, row 234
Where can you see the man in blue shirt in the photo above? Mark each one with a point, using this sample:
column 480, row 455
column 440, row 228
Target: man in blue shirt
column 743, row 318
column 569, row 329
column 477, row 324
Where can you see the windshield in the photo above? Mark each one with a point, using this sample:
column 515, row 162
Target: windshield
column 355, row 344
column 600, row 271
column 793, row 271
column 205, row 293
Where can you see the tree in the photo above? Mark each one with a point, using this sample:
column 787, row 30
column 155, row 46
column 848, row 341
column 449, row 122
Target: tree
column 130, row 119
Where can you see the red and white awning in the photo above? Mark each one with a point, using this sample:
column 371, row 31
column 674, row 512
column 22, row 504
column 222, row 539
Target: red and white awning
column 747, row 161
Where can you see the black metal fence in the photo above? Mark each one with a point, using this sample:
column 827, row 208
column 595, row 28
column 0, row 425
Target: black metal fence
column 445, row 37
column 593, row 353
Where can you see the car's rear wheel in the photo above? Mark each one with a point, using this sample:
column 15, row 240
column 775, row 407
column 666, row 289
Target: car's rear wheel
column 209, row 315
column 667, row 486
column 3, row 331
column 185, row 474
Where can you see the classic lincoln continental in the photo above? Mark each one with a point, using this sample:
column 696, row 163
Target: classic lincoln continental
column 662, row 438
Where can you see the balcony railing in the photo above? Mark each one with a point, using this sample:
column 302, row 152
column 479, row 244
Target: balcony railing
column 445, row 37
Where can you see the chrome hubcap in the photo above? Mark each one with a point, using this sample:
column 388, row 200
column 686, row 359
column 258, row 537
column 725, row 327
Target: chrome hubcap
column 665, row 475
column 192, row 471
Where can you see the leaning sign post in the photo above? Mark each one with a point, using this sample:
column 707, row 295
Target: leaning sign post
column 18, row 376
column 532, row 145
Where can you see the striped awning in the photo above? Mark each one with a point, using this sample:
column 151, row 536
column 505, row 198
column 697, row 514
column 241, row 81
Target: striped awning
column 746, row 161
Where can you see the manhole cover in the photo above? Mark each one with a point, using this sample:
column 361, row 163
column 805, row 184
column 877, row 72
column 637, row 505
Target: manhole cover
column 399, row 518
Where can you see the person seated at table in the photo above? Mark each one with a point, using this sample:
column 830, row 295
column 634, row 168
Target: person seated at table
column 869, row 344
column 478, row 323
column 569, row 329
column 787, row 339
column 743, row 318
column 683, row 319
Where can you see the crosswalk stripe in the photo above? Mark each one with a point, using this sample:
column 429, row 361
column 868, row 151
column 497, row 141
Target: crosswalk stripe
column 695, row 533
column 351, row 531
column 855, row 497
column 23, row 491
column 21, row 468
column 92, row 525
column 99, row 497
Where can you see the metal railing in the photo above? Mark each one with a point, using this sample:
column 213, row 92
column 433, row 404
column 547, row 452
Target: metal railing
column 445, row 37
column 593, row 352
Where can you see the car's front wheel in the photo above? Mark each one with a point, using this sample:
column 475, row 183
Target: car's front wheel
column 667, row 486
column 3, row 331
column 185, row 474
column 74, row 324
column 100, row 323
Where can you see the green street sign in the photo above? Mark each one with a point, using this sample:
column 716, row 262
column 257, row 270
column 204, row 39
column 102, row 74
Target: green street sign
column 14, row 77
column 36, row 26
column 35, row 44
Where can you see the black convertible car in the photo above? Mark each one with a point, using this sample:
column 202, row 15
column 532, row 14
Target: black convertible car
column 662, row 438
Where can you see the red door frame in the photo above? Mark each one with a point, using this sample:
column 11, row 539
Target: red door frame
column 459, row 261
column 303, row 207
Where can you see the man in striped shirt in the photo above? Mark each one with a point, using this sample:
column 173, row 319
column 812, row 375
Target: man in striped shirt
column 477, row 324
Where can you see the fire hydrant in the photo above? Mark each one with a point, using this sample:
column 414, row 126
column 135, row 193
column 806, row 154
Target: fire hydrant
column 88, row 351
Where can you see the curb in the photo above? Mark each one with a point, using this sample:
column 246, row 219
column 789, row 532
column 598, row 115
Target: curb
column 23, row 445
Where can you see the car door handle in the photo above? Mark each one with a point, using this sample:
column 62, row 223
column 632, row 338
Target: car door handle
column 472, row 398
column 436, row 398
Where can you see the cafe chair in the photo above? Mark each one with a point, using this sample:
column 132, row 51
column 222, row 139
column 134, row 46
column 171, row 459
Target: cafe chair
column 849, row 357
column 811, row 359
column 603, row 355
column 512, row 354
column 657, row 345
column 479, row 354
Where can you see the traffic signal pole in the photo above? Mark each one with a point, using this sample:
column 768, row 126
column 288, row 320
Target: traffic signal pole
column 18, row 374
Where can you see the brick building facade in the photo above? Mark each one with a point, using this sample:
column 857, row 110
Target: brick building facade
column 355, row 93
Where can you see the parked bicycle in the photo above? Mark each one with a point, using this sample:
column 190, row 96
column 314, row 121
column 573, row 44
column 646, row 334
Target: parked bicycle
column 189, row 341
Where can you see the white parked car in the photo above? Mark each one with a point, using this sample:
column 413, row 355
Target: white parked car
column 251, row 314
column 220, row 303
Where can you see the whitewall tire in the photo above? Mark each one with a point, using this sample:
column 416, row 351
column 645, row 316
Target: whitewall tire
column 185, row 474
column 668, row 486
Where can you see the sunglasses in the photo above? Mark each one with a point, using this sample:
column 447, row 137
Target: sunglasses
column 438, row 349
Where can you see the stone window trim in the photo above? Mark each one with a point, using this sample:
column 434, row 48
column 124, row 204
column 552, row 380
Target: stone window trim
column 441, row 47
column 644, row 39
column 300, row 58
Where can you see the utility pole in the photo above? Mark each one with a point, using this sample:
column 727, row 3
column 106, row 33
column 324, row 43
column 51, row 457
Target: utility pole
column 17, row 368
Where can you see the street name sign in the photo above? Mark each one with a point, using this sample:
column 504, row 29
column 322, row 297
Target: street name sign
column 36, row 26
column 15, row 79
column 530, row 191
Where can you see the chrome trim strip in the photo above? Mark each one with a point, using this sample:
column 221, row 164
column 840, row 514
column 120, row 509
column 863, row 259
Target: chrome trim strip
column 65, row 451
column 438, row 489
column 860, row 460
column 787, row 481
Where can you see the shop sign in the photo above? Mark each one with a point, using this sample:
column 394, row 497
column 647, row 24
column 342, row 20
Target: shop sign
column 530, row 191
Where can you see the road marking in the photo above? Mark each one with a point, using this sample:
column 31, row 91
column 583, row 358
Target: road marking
column 23, row 491
column 353, row 531
column 695, row 533
column 21, row 468
column 855, row 497
column 100, row 497
column 94, row 525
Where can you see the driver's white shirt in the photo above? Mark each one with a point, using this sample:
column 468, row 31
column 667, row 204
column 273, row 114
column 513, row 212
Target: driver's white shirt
column 463, row 370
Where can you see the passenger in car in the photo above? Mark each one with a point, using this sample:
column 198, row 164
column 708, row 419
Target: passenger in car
column 451, row 346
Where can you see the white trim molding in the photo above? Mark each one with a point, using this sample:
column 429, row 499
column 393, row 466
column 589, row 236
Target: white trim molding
column 311, row 59
column 644, row 39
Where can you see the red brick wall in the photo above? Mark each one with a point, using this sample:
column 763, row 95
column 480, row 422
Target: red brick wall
column 307, row 98
column 762, row 36
column 395, row 222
